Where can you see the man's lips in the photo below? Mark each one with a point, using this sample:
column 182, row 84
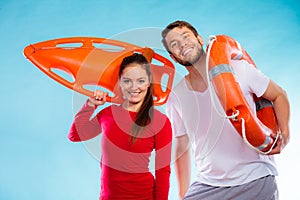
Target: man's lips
column 186, row 51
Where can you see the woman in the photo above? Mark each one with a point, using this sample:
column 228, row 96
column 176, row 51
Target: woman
column 131, row 131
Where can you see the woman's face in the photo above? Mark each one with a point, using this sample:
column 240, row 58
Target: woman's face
column 134, row 83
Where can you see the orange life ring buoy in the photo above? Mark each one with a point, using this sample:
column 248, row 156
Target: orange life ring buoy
column 258, row 128
column 96, row 61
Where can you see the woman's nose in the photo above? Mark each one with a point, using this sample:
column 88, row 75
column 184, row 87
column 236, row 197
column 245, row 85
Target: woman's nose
column 134, row 85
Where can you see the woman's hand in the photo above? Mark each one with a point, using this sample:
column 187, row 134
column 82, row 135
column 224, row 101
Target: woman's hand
column 98, row 99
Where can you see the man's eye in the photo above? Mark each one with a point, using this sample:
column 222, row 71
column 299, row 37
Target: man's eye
column 173, row 44
column 185, row 36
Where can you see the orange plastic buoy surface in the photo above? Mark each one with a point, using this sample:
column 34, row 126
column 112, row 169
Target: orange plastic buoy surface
column 257, row 127
column 96, row 61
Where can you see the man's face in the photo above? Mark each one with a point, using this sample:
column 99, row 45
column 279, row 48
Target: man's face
column 185, row 47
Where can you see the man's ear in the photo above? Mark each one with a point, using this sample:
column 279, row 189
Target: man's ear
column 200, row 39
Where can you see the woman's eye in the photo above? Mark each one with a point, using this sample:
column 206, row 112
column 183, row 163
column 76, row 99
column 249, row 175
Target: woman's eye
column 141, row 81
column 126, row 81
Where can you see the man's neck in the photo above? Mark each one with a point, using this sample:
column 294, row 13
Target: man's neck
column 196, row 78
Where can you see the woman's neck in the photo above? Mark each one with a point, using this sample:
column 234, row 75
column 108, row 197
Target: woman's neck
column 131, row 106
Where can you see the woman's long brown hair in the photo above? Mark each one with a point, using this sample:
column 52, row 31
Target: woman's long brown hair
column 145, row 112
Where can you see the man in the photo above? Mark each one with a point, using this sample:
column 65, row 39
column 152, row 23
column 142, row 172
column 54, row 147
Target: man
column 227, row 168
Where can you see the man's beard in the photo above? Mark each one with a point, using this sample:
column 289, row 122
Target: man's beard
column 193, row 60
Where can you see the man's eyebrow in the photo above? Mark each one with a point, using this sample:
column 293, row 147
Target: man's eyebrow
column 183, row 33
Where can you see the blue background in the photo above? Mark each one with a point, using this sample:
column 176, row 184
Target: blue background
column 37, row 161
